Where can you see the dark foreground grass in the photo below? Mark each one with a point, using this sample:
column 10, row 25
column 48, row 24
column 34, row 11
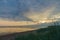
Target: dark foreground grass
column 50, row 33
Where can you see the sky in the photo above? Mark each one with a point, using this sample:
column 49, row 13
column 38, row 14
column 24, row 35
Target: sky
column 28, row 10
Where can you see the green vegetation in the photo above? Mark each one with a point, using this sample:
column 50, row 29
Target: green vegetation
column 50, row 33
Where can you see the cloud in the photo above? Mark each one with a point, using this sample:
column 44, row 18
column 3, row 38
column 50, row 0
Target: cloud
column 35, row 16
column 27, row 10
column 16, row 12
